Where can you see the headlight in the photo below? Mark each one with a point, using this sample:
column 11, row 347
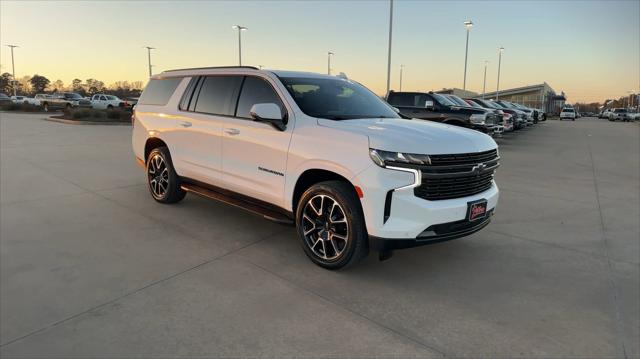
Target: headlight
column 477, row 119
column 385, row 158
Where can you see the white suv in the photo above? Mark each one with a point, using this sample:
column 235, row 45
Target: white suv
column 568, row 113
column 321, row 152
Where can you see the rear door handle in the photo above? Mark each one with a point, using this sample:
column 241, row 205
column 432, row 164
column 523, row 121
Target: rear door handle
column 232, row 131
column 185, row 124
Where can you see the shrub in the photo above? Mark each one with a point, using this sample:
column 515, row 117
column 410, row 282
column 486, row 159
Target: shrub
column 88, row 114
column 21, row 107
column 81, row 113
column 98, row 115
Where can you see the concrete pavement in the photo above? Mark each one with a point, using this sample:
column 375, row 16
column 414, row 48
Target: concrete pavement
column 91, row 266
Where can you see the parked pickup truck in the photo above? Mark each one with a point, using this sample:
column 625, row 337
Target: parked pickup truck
column 436, row 107
column 106, row 102
column 63, row 100
column 25, row 100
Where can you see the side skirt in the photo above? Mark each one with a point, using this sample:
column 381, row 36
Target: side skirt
column 260, row 208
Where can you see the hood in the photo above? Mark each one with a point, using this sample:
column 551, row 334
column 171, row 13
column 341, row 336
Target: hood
column 415, row 136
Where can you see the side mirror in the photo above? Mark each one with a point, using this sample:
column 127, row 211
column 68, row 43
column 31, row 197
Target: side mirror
column 397, row 110
column 269, row 113
column 428, row 105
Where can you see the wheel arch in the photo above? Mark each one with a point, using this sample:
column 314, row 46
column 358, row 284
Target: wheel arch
column 150, row 144
column 313, row 176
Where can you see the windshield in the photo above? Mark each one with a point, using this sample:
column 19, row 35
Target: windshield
column 506, row 104
column 72, row 95
column 620, row 110
column 473, row 104
column 496, row 105
column 443, row 100
column 336, row 99
column 567, row 110
column 109, row 97
column 457, row 100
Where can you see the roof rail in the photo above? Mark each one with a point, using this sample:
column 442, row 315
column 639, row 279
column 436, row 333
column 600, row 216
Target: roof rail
column 214, row 67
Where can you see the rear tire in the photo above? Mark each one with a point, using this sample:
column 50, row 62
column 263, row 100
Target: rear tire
column 331, row 226
column 45, row 107
column 162, row 180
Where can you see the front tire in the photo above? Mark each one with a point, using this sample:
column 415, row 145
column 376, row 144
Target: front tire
column 162, row 180
column 45, row 107
column 330, row 225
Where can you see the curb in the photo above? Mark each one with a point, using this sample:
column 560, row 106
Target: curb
column 74, row 122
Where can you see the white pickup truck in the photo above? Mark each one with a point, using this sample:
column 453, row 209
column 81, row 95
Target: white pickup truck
column 106, row 102
column 25, row 100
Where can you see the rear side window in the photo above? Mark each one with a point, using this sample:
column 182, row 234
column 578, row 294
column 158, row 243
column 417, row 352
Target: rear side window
column 407, row 99
column 159, row 91
column 256, row 90
column 218, row 95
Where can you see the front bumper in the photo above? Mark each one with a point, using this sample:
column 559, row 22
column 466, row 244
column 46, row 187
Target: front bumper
column 434, row 234
column 392, row 210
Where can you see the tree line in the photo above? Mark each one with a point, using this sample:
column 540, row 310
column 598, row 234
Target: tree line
column 31, row 85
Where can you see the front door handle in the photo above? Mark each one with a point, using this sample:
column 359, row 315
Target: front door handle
column 185, row 124
column 231, row 131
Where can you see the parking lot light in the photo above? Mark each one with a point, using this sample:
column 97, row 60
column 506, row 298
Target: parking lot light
column 329, row 53
column 389, row 54
column 13, row 69
column 149, row 48
column 500, row 51
column 467, row 25
column 240, row 30
column 484, row 83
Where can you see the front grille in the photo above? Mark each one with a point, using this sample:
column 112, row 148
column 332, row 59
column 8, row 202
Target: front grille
column 457, row 175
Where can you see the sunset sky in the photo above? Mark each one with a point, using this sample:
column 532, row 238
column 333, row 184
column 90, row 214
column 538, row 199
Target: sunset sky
column 589, row 49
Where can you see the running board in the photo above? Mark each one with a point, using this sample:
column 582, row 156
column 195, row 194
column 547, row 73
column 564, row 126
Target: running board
column 255, row 208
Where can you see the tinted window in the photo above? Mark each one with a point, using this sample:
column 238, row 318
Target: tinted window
column 473, row 104
column 336, row 98
column 457, row 100
column 443, row 100
column 256, row 90
column 567, row 110
column 159, row 91
column 408, row 99
column 218, row 95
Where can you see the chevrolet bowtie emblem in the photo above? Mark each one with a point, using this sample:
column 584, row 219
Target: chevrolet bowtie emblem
column 479, row 168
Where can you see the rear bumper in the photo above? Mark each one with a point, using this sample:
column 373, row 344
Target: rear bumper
column 434, row 234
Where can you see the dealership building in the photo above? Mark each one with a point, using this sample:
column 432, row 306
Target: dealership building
column 540, row 96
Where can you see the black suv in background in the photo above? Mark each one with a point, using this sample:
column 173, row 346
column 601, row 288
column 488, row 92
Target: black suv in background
column 436, row 107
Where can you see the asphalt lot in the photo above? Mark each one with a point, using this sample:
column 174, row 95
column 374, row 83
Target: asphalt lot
column 91, row 266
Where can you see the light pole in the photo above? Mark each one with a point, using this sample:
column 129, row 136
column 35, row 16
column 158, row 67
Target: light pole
column 13, row 69
column 500, row 51
column 149, row 48
column 240, row 30
column 484, row 84
column 389, row 57
column 401, row 67
column 329, row 53
column 467, row 25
